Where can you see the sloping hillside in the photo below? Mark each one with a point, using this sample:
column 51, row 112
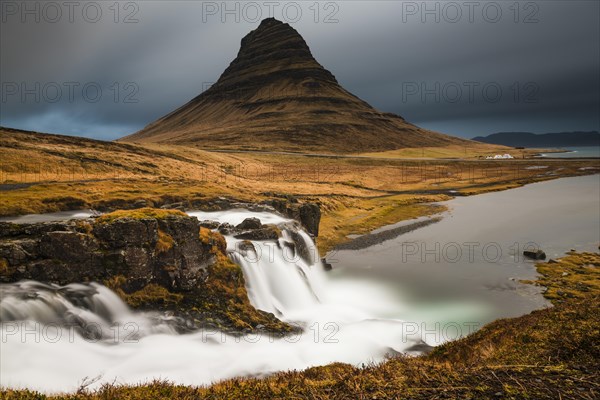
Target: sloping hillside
column 276, row 96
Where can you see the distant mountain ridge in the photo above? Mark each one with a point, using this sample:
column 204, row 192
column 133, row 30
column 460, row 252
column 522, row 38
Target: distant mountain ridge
column 528, row 139
column 276, row 96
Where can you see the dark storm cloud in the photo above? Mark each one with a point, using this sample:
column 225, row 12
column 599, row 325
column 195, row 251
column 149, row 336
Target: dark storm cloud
column 534, row 67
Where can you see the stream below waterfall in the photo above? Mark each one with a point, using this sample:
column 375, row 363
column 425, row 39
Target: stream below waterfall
column 394, row 297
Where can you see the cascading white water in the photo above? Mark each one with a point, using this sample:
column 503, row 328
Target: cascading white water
column 278, row 279
column 91, row 310
column 342, row 321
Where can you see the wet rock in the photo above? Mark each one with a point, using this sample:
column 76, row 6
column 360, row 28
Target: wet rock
column 310, row 216
column 290, row 253
column 67, row 246
column 535, row 255
column 249, row 223
column 210, row 224
column 127, row 232
column 14, row 252
column 226, row 229
column 267, row 232
column 245, row 246
column 300, row 246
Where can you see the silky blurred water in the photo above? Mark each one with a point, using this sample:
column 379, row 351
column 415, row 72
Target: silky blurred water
column 467, row 267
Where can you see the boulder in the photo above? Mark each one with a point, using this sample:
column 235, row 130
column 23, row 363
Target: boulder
column 310, row 216
column 300, row 247
column 226, row 229
column 249, row 223
column 267, row 232
column 535, row 255
column 210, row 224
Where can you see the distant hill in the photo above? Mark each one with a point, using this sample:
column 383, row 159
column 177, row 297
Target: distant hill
column 276, row 96
column 528, row 139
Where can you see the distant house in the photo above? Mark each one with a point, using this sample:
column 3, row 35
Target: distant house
column 499, row 157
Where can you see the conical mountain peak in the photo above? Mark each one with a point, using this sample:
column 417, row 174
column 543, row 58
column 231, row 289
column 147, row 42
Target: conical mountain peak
column 274, row 36
column 276, row 96
column 274, row 47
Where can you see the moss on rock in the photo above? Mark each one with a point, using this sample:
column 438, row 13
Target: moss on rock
column 140, row 213
column 223, row 298
column 150, row 296
column 214, row 239
column 3, row 267
column 165, row 242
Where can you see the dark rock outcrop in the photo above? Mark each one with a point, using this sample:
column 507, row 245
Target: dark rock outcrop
column 308, row 214
column 159, row 260
column 166, row 251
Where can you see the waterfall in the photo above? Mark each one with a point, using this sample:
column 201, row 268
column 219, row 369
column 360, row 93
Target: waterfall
column 279, row 279
column 92, row 310
column 342, row 321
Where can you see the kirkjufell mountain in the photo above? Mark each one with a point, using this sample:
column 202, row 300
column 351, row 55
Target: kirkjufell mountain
column 276, row 96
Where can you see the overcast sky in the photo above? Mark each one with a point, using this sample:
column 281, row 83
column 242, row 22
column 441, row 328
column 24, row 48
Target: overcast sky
column 466, row 68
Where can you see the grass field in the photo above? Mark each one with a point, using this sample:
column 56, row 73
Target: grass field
column 45, row 173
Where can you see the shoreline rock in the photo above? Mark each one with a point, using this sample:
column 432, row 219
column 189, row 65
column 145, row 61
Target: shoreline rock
column 371, row 239
column 535, row 255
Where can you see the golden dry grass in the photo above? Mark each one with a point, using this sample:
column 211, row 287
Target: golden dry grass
column 46, row 173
